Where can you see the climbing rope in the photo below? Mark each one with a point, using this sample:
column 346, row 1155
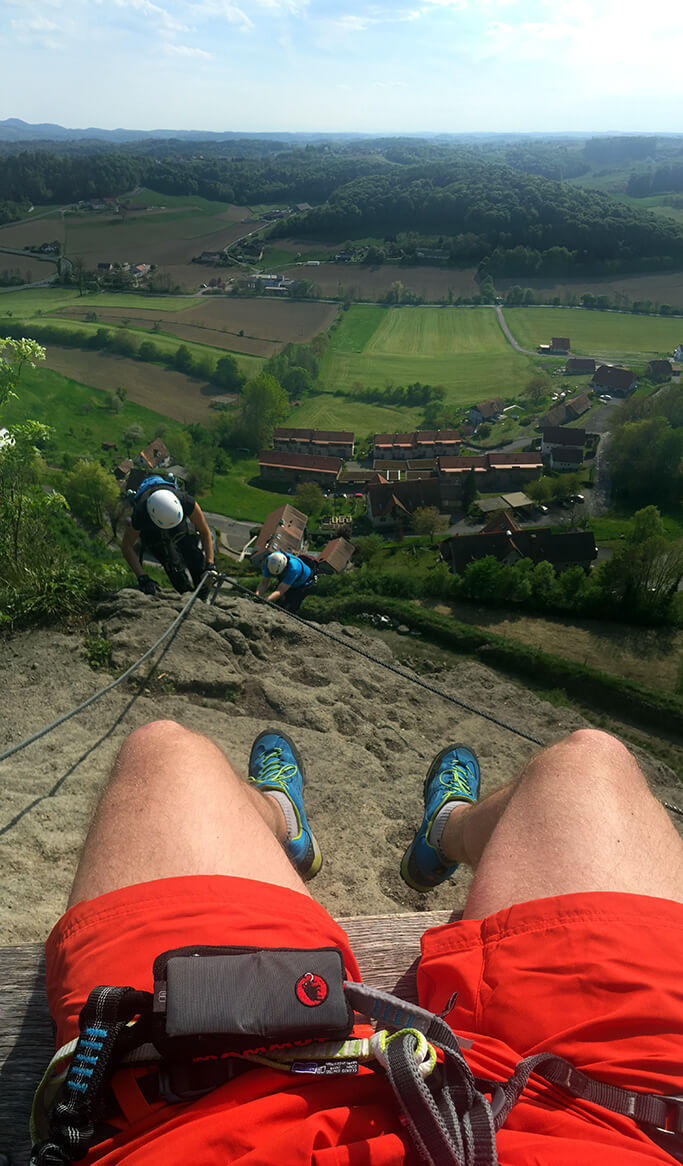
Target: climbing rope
column 119, row 680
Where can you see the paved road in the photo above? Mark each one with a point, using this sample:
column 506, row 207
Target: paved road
column 504, row 325
column 237, row 533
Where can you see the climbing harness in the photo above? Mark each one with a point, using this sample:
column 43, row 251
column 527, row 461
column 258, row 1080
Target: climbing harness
column 216, row 1011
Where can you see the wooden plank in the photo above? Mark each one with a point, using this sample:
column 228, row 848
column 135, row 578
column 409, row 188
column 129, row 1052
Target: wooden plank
column 387, row 948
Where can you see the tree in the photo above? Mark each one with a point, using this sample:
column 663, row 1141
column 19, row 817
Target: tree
column 541, row 490
column 536, row 389
column 428, row 520
column 297, row 381
column 121, row 393
column 114, row 402
column 264, row 405
column 133, row 435
column 645, row 524
column 91, row 492
column 309, row 497
column 182, row 359
column 14, row 356
column 227, row 374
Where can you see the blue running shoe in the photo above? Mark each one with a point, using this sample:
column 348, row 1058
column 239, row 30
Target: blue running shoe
column 275, row 765
column 453, row 777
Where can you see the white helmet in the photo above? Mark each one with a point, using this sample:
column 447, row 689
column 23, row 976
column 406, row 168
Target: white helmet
column 165, row 509
column 276, row 563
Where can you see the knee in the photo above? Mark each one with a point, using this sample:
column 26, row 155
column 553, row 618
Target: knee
column 158, row 736
column 592, row 756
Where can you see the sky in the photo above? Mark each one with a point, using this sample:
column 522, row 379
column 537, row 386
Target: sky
column 392, row 66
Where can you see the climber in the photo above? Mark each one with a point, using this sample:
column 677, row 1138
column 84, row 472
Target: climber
column 170, row 525
column 295, row 578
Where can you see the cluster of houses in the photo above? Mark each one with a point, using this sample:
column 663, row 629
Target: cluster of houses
column 135, row 272
column 410, row 470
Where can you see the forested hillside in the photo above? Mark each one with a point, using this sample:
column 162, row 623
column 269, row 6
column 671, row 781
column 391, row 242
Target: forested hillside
column 460, row 198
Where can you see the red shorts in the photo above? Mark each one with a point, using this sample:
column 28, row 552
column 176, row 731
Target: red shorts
column 593, row 978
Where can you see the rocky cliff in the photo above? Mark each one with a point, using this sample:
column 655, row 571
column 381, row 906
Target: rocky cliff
column 367, row 737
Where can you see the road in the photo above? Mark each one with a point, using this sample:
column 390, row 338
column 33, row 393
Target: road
column 237, row 533
column 511, row 340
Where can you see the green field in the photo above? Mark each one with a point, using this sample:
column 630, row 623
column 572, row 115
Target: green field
column 231, row 493
column 328, row 412
column 611, row 335
column 463, row 349
column 78, row 414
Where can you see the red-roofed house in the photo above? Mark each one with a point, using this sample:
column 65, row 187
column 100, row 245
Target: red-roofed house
column 299, row 467
column 283, row 530
column 327, row 442
column 389, row 502
column 485, row 411
column 579, row 365
column 425, row 443
column 154, row 455
column 564, row 447
column 620, row 381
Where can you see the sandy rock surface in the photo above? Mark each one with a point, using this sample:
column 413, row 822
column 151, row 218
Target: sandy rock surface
column 367, row 737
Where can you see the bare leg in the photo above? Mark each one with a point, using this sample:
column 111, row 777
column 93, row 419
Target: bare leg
column 175, row 806
column 580, row 818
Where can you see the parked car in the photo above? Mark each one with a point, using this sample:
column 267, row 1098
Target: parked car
column 577, row 498
column 543, row 509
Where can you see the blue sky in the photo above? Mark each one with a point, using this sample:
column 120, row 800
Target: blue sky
column 389, row 66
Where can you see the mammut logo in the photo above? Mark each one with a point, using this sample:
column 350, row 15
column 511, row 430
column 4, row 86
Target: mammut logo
column 311, row 990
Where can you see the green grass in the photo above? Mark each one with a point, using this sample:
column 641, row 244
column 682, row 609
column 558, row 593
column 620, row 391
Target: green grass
column 611, row 335
column 460, row 348
column 328, row 412
column 275, row 258
column 357, row 327
column 44, row 300
column 232, row 494
column 154, row 198
column 78, row 415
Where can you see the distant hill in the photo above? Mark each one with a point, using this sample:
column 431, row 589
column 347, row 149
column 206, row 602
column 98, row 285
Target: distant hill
column 13, row 129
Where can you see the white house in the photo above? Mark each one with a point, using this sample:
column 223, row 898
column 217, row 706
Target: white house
column 678, row 352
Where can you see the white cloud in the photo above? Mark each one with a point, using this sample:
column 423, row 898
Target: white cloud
column 154, row 11
column 351, row 22
column 187, row 51
column 38, row 30
column 443, row 4
column 224, row 10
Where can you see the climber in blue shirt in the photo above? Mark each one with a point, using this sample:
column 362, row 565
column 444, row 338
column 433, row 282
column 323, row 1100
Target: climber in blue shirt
column 294, row 577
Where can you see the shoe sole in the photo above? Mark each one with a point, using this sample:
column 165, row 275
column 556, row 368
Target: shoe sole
column 433, row 769
column 316, row 864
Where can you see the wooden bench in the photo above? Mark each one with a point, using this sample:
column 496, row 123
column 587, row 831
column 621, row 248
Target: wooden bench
column 387, row 948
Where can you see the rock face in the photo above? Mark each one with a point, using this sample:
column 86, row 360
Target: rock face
column 367, row 737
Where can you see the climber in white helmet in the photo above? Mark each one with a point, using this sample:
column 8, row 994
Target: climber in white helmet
column 293, row 577
column 169, row 524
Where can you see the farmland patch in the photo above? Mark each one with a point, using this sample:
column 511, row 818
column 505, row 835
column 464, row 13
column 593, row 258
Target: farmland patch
column 267, row 324
column 608, row 335
column 462, row 349
column 372, row 283
column 661, row 287
column 171, row 393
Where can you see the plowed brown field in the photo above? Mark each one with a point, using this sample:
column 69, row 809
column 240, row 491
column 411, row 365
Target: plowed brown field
column 338, row 279
column 267, row 324
column 170, row 393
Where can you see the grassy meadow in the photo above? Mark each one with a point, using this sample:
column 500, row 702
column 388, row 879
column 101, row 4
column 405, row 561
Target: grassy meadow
column 79, row 415
column 462, row 349
column 610, row 335
column 232, row 493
